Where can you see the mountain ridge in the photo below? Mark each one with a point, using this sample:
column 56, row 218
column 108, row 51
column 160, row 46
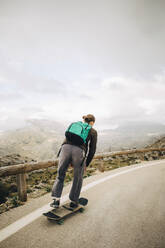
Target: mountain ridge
column 41, row 139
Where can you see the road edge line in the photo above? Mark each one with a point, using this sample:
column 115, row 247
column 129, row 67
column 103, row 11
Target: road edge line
column 24, row 221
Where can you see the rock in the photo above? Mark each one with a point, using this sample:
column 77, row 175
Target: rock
column 137, row 161
column 13, row 188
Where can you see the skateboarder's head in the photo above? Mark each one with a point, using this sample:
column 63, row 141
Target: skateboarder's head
column 90, row 119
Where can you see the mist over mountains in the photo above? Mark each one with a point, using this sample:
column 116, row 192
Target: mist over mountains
column 130, row 135
column 41, row 139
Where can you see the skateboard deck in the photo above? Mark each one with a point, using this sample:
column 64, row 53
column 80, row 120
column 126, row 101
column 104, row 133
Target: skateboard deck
column 64, row 211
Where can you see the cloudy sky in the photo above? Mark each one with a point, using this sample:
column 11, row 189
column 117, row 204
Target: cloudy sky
column 62, row 59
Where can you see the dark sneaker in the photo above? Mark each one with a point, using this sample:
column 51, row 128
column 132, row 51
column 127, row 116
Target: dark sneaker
column 55, row 203
column 73, row 205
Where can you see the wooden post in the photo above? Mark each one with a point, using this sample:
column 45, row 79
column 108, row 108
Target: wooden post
column 101, row 166
column 21, row 187
column 118, row 162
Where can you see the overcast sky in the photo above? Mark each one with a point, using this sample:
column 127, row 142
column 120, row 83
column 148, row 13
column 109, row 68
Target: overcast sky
column 62, row 59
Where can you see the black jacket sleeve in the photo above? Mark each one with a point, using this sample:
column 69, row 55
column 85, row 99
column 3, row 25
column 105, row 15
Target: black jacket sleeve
column 92, row 146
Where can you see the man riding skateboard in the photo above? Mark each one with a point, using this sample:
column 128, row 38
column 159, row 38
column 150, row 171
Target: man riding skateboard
column 78, row 150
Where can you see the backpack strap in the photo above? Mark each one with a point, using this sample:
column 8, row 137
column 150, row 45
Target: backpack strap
column 58, row 154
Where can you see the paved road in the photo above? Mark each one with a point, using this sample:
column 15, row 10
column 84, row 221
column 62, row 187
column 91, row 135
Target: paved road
column 125, row 211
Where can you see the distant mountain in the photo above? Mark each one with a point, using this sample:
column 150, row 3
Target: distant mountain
column 48, row 125
column 129, row 135
column 39, row 140
column 143, row 127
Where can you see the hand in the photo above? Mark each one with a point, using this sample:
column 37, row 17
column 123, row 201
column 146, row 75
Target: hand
column 85, row 170
column 70, row 166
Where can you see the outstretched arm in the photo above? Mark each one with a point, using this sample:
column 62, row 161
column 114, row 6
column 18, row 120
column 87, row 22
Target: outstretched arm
column 92, row 147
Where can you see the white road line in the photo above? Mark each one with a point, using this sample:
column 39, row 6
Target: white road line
column 24, row 221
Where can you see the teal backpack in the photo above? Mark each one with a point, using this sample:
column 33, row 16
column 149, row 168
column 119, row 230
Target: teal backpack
column 77, row 133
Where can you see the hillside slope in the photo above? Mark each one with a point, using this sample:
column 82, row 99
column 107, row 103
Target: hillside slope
column 40, row 140
column 160, row 143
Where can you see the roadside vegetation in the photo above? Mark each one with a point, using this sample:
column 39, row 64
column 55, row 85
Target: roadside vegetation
column 40, row 182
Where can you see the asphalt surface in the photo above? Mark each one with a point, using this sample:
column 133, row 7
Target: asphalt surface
column 125, row 211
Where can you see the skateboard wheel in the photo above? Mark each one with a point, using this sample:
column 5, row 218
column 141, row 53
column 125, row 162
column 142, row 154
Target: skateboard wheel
column 81, row 210
column 60, row 222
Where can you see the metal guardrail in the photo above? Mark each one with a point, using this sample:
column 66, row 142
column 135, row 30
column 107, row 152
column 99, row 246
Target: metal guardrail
column 20, row 170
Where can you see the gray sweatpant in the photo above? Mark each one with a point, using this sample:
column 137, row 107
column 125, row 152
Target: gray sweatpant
column 74, row 155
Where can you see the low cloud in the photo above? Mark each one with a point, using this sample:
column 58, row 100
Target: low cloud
column 115, row 100
column 10, row 97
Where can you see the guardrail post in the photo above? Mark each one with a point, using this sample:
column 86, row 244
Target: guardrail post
column 118, row 162
column 101, row 166
column 21, row 187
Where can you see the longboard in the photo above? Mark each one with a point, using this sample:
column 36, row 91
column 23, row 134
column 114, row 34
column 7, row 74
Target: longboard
column 61, row 213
